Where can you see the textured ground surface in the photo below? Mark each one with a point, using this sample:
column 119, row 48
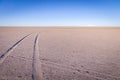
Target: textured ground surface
column 64, row 53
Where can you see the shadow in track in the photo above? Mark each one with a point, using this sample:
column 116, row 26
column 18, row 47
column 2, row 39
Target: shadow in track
column 36, row 64
column 7, row 53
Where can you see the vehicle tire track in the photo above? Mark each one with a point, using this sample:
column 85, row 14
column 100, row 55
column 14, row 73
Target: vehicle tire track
column 7, row 53
column 36, row 64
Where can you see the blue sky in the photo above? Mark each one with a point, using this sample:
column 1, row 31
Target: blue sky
column 59, row 12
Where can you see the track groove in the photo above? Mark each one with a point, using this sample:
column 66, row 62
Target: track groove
column 36, row 64
column 7, row 53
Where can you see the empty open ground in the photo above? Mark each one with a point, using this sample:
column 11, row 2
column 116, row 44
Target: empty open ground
column 59, row 53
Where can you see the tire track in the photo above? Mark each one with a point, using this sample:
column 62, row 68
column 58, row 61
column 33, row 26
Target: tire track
column 7, row 53
column 36, row 64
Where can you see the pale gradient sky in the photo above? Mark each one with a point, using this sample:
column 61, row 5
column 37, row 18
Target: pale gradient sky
column 59, row 12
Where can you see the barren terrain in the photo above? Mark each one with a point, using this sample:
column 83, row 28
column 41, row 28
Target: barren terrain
column 59, row 53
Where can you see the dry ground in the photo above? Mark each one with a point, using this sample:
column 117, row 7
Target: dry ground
column 64, row 53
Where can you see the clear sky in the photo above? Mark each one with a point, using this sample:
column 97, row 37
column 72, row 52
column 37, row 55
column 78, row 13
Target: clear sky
column 59, row 12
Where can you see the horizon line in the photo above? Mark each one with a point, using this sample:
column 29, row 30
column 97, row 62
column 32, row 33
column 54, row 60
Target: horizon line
column 56, row 26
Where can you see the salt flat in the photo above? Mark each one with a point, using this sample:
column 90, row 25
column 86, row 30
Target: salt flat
column 65, row 53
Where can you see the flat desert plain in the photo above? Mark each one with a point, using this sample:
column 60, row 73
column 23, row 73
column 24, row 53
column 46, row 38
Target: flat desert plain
column 37, row 53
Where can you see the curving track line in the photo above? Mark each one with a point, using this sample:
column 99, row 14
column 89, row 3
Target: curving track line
column 7, row 53
column 36, row 64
